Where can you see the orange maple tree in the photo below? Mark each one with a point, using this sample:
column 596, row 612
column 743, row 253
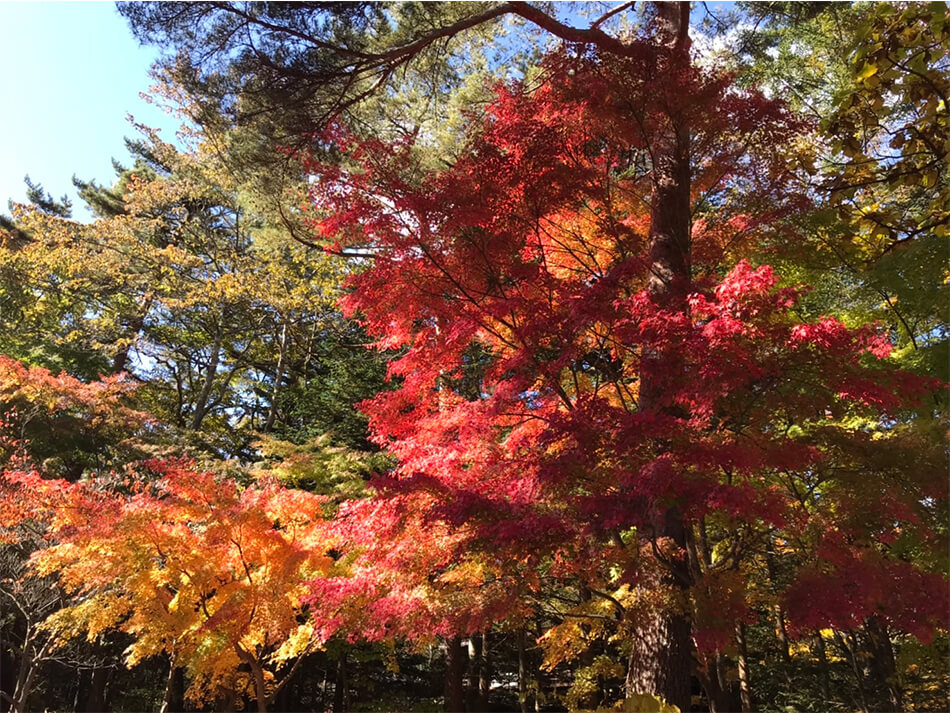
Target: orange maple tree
column 189, row 564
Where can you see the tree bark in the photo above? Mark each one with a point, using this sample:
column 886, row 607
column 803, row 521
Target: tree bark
column 178, row 691
column 201, row 405
column 784, row 647
column 121, row 358
column 849, row 649
column 257, row 673
column 21, row 690
column 824, row 676
column 278, row 378
column 745, row 691
column 714, row 683
column 94, row 700
column 29, row 663
column 590, row 699
column 522, row 672
column 484, row 672
column 339, row 685
column 454, row 676
column 479, row 681
column 660, row 658
column 166, row 706
column 882, row 663
column 778, row 616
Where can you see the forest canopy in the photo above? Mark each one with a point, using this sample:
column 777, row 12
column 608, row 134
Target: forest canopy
column 491, row 356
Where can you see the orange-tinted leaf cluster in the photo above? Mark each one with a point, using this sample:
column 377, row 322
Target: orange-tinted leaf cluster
column 186, row 563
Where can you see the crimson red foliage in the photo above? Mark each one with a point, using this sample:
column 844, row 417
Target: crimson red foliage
column 514, row 282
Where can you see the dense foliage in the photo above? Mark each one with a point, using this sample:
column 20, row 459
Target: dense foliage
column 621, row 388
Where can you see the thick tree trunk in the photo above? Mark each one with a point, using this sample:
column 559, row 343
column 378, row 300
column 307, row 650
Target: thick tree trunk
column 824, row 676
column 454, row 675
column 339, row 686
column 883, row 664
column 94, row 697
column 660, row 658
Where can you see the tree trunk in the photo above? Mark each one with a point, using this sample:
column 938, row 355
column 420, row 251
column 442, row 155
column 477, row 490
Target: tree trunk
column 29, row 663
column 454, row 676
column 882, row 663
column 522, row 673
column 475, row 654
column 484, row 672
column 257, row 673
column 778, row 617
column 714, row 683
column 166, row 706
column 260, row 688
column 173, row 701
column 178, row 691
column 849, row 651
column 589, row 699
column 226, row 702
column 94, row 700
column 784, row 647
column 742, row 654
column 660, row 660
column 278, row 377
column 201, row 405
column 25, row 672
column 824, row 676
column 121, row 358
column 339, row 685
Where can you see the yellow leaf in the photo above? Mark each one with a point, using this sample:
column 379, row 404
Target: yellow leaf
column 641, row 703
column 868, row 70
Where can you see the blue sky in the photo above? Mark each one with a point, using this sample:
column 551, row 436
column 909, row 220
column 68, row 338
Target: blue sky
column 70, row 73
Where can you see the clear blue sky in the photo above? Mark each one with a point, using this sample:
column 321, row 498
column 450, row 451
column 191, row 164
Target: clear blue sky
column 70, row 73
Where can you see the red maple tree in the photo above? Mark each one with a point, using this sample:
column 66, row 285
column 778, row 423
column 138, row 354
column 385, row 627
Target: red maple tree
column 594, row 379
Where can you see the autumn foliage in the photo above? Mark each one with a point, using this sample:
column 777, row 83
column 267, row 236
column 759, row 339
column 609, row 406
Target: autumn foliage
column 61, row 422
column 192, row 567
column 576, row 436
column 515, row 282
